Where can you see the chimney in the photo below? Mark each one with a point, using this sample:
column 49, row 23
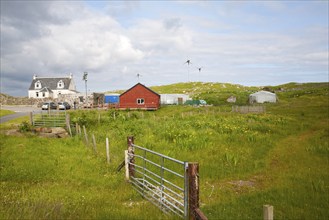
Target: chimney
column 71, row 75
column 35, row 76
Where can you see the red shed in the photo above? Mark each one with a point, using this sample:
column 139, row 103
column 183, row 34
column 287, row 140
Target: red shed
column 139, row 97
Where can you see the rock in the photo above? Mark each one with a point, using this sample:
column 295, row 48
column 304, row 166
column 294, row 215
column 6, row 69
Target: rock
column 63, row 135
column 231, row 99
column 58, row 130
column 37, row 130
column 48, row 135
column 46, row 130
column 14, row 132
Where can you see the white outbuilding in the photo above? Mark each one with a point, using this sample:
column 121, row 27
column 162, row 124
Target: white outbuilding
column 173, row 99
column 262, row 97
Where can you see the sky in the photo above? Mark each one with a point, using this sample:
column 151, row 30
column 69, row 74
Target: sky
column 251, row 43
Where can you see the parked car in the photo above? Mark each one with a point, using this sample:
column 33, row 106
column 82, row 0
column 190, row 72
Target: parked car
column 63, row 106
column 46, row 105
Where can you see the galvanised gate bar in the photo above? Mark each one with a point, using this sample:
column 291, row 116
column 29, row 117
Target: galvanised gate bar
column 52, row 118
column 164, row 187
column 170, row 184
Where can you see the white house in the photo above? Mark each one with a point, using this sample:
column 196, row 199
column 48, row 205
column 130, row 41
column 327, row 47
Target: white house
column 51, row 87
column 262, row 97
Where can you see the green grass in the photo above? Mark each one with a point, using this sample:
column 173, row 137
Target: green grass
column 282, row 157
column 55, row 179
column 4, row 112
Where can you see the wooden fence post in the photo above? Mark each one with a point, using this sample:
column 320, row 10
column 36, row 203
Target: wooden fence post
column 86, row 136
column 127, row 165
column 31, row 118
column 193, row 192
column 193, row 188
column 107, row 151
column 131, row 167
column 268, row 212
column 68, row 123
column 94, row 144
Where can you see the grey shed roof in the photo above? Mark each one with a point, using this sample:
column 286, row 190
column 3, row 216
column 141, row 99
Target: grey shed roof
column 51, row 82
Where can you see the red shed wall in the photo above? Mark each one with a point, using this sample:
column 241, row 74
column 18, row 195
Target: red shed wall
column 129, row 99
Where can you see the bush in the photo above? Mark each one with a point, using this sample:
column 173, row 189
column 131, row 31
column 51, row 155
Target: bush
column 24, row 127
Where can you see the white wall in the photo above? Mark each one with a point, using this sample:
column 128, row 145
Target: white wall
column 32, row 94
column 172, row 99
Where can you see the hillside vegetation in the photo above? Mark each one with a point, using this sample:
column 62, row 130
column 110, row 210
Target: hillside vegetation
column 280, row 157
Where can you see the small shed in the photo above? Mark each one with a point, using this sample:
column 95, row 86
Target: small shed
column 112, row 98
column 262, row 97
column 98, row 99
column 139, row 97
column 174, row 99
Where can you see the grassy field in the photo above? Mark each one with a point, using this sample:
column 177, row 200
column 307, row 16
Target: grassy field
column 4, row 112
column 280, row 158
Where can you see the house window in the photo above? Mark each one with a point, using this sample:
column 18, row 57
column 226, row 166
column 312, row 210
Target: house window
column 37, row 85
column 37, row 94
column 140, row 101
column 43, row 94
column 60, row 84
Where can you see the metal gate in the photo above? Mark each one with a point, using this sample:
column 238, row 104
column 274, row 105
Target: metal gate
column 160, row 179
column 51, row 118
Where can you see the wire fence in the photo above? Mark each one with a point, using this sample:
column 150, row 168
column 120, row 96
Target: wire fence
column 249, row 109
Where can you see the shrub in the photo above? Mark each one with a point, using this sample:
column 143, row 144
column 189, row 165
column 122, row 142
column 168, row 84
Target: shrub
column 24, row 127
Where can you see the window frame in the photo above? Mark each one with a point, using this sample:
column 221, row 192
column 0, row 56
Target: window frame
column 37, row 85
column 140, row 101
column 60, row 84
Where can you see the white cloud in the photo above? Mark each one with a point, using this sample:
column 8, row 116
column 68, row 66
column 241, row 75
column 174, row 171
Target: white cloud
column 114, row 44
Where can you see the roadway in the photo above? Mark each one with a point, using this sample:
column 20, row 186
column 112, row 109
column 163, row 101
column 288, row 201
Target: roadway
column 19, row 112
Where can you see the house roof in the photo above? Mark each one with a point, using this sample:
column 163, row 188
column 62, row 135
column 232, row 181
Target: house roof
column 51, row 82
column 46, row 89
column 141, row 85
column 263, row 93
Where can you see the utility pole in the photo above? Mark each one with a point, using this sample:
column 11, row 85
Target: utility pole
column 85, row 74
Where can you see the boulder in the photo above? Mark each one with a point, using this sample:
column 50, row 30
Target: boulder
column 46, row 130
column 56, row 132
column 231, row 99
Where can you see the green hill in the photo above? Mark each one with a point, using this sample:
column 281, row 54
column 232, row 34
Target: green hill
column 217, row 93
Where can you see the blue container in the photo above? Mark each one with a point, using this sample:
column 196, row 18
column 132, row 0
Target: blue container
column 111, row 99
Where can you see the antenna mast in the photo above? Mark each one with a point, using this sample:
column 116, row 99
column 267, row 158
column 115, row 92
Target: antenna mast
column 138, row 76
